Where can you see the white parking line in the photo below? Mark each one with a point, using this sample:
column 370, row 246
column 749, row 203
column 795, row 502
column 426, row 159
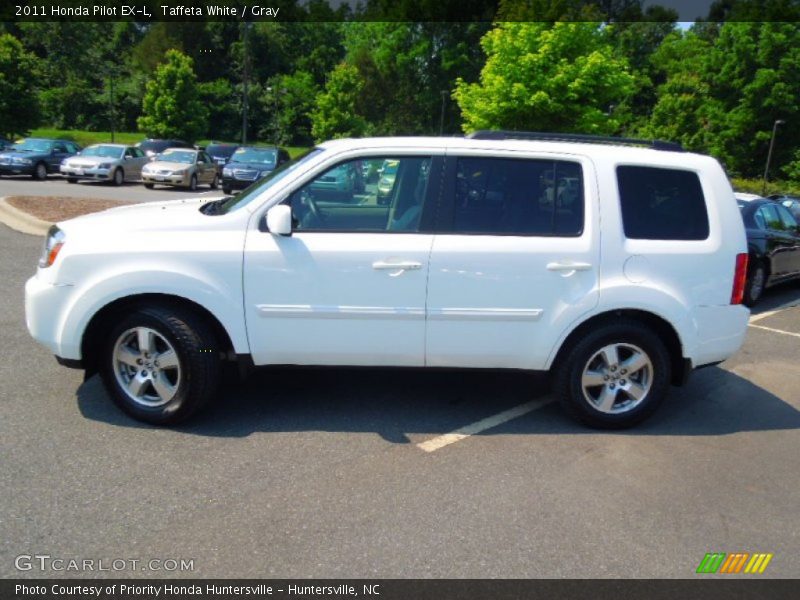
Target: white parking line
column 776, row 330
column 464, row 432
column 764, row 315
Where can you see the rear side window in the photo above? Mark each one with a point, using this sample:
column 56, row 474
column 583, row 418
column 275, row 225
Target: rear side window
column 662, row 204
column 518, row 197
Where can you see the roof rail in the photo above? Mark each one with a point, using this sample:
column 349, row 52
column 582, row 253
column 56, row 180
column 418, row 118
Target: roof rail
column 496, row 134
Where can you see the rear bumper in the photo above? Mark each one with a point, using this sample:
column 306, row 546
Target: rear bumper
column 720, row 333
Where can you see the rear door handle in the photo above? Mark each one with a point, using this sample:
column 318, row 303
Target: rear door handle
column 568, row 266
column 399, row 267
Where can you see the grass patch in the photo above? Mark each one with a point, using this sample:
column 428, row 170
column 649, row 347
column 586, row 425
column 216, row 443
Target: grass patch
column 755, row 186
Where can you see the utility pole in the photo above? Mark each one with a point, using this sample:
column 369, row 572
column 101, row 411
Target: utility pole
column 245, row 76
column 112, row 111
column 441, row 117
column 769, row 154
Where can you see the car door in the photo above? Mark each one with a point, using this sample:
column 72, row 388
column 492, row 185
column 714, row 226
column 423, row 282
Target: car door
column 780, row 242
column 207, row 167
column 57, row 154
column 792, row 234
column 515, row 259
column 348, row 286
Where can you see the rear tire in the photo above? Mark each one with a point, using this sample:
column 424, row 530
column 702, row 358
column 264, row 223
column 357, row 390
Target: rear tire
column 615, row 376
column 754, row 287
column 149, row 186
column 160, row 364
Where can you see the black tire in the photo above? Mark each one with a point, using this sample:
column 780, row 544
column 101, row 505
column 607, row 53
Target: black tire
column 626, row 333
column 193, row 183
column 40, row 171
column 215, row 182
column 119, row 177
column 227, row 190
column 198, row 371
column 71, row 180
column 149, row 186
column 754, row 286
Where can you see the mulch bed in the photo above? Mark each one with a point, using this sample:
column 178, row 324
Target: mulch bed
column 60, row 208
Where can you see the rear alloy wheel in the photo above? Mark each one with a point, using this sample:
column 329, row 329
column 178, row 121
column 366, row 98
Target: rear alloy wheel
column 119, row 177
column 193, row 183
column 615, row 376
column 754, row 287
column 161, row 364
column 40, row 171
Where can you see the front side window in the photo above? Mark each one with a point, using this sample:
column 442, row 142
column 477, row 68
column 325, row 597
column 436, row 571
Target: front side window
column 770, row 217
column 518, row 197
column 370, row 194
column 788, row 221
column 662, row 204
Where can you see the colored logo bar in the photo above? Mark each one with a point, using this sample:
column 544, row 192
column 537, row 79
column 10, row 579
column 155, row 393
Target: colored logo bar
column 737, row 562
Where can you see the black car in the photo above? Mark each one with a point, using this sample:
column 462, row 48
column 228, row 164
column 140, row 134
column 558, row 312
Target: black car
column 5, row 144
column 151, row 147
column 221, row 153
column 36, row 157
column 773, row 241
column 249, row 164
column 790, row 202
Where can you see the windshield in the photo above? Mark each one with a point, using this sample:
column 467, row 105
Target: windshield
column 33, row 146
column 220, row 150
column 179, row 156
column 255, row 190
column 104, row 151
column 153, row 147
column 264, row 156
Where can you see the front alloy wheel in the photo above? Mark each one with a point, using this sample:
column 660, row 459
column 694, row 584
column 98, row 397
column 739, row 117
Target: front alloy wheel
column 160, row 364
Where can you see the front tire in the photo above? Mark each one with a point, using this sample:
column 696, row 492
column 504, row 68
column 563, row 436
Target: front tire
column 40, row 171
column 215, row 182
column 615, row 376
column 149, row 186
column 119, row 177
column 754, row 288
column 160, row 365
column 193, row 183
column 72, row 180
column 227, row 190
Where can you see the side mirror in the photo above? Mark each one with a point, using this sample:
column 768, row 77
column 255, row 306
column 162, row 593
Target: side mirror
column 279, row 219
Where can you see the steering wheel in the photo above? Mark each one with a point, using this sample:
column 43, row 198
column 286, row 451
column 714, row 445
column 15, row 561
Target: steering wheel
column 308, row 199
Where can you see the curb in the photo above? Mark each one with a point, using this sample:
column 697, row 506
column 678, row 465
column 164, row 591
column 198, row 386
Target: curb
column 21, row 221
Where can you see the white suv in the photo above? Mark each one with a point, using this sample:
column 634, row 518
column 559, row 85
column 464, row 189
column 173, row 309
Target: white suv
column 616, row 265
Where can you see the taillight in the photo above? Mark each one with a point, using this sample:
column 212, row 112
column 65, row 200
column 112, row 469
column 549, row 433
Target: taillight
column 739, row 279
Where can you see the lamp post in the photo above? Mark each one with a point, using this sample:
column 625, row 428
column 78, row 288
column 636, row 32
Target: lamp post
column 245, row 77
column 441, row 117
column 769, row 154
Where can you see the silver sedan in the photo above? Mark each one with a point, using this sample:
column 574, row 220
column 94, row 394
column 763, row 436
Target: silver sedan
column 105, row 162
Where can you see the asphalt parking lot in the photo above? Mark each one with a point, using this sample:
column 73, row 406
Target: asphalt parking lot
column 344, row 473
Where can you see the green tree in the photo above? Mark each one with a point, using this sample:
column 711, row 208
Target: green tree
column 18, row 103
column 335, row 115
column 288, row 101
column 547, row 77
column 171, row 106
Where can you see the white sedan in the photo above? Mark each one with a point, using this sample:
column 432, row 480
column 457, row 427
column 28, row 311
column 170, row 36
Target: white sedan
column 105, row 162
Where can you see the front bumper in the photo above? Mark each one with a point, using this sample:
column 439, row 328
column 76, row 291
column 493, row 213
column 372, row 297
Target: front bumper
column 182, row 179
column 44, row 306
column 84, row 173
column 237, row 184
column 15, row 169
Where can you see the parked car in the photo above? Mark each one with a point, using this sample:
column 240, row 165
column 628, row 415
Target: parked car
column 341, row 184
column 746, row 196
column 5, row 144
column 388, row 174
column 790, row 202
column 152, row 147
column 181, row 167
column 773, row 241
column 221, row 153
column 36, row 157
column 105, row 162
column 251, row 163
column 618, row 268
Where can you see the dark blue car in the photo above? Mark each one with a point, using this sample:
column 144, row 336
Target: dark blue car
column 36, row 157
column 249, row 164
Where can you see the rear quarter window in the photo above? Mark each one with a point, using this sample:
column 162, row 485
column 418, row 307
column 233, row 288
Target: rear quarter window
column 662, row 204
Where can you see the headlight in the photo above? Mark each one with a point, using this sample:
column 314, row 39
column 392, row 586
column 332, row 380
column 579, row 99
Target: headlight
column 23, row 161
column 227, row 171
column 264, row 173
column 52, row 246
column 65, row 163
column 104, row 166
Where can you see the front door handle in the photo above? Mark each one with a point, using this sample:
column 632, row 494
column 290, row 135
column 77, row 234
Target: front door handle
column 399, row 267
column 568, row 266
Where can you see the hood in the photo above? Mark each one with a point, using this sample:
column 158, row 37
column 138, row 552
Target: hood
column 90, row 160
column 151, row 216
column 22, row 154
column 172, row 166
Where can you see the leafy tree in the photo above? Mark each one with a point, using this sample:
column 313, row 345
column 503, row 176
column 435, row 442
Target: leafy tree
column 547, row 77
column 18, row 102
column 288, row 101
column 335, row 115
column 171, row 105
column 224, row 120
